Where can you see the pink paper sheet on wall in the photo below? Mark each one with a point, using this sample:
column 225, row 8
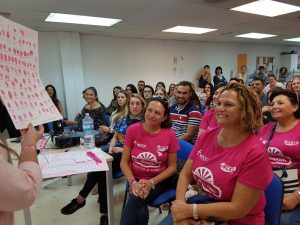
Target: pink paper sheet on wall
column 69, row 163
column 21, row 88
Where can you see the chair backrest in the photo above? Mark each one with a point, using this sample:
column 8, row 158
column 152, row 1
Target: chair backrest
column 274, row 197
column 184, row 150
column 107, row 120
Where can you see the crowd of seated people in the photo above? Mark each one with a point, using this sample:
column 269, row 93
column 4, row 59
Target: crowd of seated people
column 221, row 120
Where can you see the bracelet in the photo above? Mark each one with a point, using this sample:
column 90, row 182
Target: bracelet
column 131, row 181
column 29, row 147
column 152, row 183
column 195, row 212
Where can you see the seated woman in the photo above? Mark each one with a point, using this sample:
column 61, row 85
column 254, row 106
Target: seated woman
column 161, row 92
column 205, row 94
column 209, row 120
column 136, row 106
column 113, row 104
column 53, row 95
column 121, row 110
column 94, row 107
column 171, row 90
column 148, row 93
column 282, row 139
column 131, row 89
column 225, row 163
column 148, row 161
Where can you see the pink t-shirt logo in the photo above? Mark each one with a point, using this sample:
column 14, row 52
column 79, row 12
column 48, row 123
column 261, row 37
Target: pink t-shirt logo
column 160, row 149
column 226, row 168
column 146, row 160
column 205, row 176
column 277, row 158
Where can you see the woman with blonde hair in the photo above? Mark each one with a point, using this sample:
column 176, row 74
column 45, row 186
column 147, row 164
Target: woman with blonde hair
column 224, row 164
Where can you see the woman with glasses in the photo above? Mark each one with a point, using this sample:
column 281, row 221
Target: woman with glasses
column 148, row 161
column 225, row 164
column 148, row 92
column 282, row 139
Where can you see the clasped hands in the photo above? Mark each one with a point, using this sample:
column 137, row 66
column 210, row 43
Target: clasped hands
column 142, row 188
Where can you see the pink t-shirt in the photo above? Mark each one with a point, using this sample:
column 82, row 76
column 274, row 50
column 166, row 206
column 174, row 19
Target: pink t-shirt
column 19, row 187
column 209, row 120
column 217, row 170
column 284, row 147
column 149, row 152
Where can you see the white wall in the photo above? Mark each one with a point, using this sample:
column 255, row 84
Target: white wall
column 110, row 61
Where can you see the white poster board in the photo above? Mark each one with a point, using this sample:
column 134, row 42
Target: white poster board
column 21, row 88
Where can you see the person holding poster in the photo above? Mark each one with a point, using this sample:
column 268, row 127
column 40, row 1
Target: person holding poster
column 19, row 185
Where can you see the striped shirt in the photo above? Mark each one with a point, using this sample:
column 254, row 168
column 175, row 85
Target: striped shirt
column 189, row 116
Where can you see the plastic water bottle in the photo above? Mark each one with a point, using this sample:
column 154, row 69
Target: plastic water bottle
column 88, row 128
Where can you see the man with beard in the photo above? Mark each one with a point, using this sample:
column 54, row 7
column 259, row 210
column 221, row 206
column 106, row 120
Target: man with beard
column 141, row 86
column 185, row 116
column 258, row 86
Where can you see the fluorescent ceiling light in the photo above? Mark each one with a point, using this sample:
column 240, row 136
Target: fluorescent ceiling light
column 267, row 8
column 77, row 19
column 189, row 30
column 293, row 39
column 255, row 35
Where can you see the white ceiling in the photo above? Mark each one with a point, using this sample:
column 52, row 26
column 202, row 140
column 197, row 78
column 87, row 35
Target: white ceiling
column 147, row 18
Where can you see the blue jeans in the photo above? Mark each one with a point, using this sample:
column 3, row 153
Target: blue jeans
column 291, row 217
column 136, row 209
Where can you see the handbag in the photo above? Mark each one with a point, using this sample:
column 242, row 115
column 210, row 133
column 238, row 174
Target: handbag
column 103, row 139
column 288, row 175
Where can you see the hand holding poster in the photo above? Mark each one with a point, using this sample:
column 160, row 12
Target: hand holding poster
column 21, row 88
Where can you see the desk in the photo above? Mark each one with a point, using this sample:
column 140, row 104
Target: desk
column 50, row 146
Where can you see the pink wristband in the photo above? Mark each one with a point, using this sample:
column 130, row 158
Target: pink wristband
column 29, row 147
column 131, row 181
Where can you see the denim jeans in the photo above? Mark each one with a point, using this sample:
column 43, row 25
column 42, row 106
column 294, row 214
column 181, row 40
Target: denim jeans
column 136, row 209
column 291, row 217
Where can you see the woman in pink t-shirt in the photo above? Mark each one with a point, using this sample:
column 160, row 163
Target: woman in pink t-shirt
column 284, row 146
column 148, row 161
column 209, row 120
column 19, row 185
column 225, row 163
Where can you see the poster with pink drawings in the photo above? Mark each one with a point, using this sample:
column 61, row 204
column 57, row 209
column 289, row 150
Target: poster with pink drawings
column 21, row 88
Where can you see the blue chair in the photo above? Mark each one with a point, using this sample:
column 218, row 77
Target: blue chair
column 170, row 194
column 118, row 174
column 107, row 120
column 274, row 197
